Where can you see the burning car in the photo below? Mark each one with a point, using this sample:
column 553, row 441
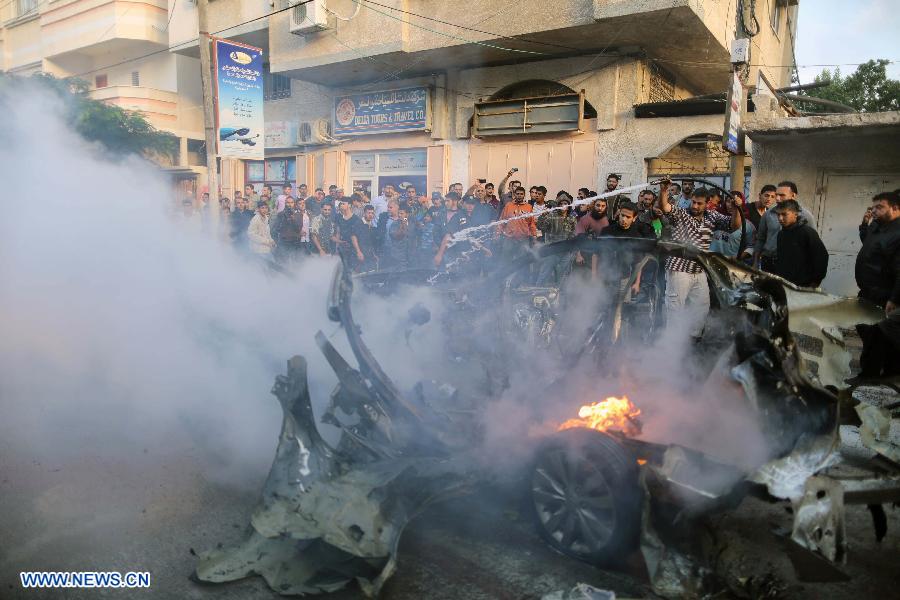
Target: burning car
column 598, row 485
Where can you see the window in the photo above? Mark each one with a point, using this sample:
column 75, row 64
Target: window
column 275, row 86
column 535, row 88
column 276, row 170
column 25, row 7
column 272, row 171
column 775, row 15
column 370, row 172
column 135, row 78
column 100, row 81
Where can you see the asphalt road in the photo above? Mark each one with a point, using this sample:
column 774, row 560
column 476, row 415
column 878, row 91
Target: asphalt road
column 146, row 513
column 147, row 509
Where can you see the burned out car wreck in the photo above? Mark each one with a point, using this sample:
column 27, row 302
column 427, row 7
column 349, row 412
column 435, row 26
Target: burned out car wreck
column 600, row 487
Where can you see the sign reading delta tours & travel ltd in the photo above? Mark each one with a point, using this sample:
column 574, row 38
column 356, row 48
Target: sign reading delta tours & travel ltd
column 239, row 100
column 382, row 112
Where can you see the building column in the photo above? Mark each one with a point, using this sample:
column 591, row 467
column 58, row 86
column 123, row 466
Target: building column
column 182, row 152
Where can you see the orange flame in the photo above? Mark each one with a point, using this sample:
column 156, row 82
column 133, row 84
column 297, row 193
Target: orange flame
column 612, row 413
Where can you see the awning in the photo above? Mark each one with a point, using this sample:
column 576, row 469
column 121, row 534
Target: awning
column 690, row 107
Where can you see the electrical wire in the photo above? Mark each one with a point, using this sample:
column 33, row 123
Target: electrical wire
column 796, row 71
column 345, row 19
column 498, row 13
column 712, row 64
column 169, row 22
column 23, row 15
column 607, row 47
column 742, row 12
column 357, row 51
column 291, row 6
column 448, row 35
column 396, row 74
column 116, row 22
column 699, row 64
column 191, row 41
column 467, row 28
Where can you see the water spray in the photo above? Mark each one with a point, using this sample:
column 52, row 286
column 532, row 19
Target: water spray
column 475, row 236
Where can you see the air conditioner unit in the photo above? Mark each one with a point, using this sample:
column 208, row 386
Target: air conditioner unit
column 308, row 17
column 314, row 132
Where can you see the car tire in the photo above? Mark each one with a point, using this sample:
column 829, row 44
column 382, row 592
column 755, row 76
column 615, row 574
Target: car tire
column 585, row 496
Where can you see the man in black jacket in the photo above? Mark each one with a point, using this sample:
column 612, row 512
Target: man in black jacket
column 382, row 241
column 801, row 257
column 878, row 278
column 878, row 262
column 291, row 231
column 621, row 258
column 240, row 220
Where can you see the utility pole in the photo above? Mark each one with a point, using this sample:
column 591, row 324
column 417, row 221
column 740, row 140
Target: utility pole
column 740, row 58
column 209, row 110
column 737, row 162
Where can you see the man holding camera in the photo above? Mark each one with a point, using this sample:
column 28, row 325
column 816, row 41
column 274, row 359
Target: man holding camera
column 878, row 278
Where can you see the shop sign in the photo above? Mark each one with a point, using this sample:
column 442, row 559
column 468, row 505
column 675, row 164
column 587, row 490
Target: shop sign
column 239, row 100
column 401, row 182
column 734, row 134
column 403, row 161
column 362, row 163
column 382, row 112
column 281, row 134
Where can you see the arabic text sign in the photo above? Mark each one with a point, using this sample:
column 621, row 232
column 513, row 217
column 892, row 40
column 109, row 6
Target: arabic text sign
column 281, row 134
column 239, row 106
column 382, row 112
column 734, row 136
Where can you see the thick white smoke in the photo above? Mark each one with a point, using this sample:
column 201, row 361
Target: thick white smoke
column 125, row 326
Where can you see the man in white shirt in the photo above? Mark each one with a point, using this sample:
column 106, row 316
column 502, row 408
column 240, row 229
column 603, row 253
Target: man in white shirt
column 258, row 233
column 287, row 191
column 380, row 202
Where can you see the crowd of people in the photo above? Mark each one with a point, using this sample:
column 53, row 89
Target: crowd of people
column 401, row 228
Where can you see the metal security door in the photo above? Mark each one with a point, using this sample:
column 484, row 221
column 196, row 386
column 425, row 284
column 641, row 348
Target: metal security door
column 558, row 165
column 845, row 198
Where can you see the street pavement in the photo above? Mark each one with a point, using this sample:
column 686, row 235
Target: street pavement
column 148, row 510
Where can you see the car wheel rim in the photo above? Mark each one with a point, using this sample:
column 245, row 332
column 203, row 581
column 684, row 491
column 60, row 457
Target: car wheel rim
column 574, row 502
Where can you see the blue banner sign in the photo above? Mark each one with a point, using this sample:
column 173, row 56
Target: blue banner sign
column 382, row 112
column 239, row 100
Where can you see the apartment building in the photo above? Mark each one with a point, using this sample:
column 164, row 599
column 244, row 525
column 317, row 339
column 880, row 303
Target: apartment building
column 120, row 48
column 367, row 92
column 364, row 93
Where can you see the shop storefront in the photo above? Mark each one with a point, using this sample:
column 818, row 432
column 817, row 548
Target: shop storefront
column 371, row 171
column 385, row 138
column 362, row 116
column 273, row 171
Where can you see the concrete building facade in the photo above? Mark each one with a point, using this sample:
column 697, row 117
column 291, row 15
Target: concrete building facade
column 839, row 162
column 602, row 57
column 120, row 48
column 570, row 72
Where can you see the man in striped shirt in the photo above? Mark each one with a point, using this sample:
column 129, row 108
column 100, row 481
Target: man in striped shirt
column 687, row 289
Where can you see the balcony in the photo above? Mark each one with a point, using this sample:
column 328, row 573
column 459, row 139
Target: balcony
column 168, row 111
column 690, row 37
column 224, row 15
column 99, row 27
column 159, row 106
